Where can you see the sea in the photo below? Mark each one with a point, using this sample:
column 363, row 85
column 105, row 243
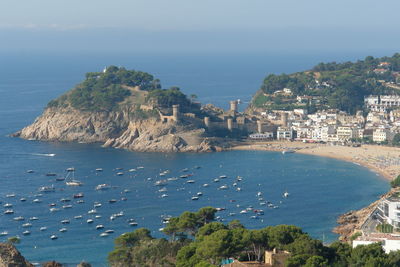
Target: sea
column 320, row 189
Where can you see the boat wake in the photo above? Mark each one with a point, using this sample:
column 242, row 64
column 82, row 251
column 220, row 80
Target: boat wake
column 43, row 155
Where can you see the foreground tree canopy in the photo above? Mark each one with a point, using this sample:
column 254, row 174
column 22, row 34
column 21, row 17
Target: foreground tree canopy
column 196, row 240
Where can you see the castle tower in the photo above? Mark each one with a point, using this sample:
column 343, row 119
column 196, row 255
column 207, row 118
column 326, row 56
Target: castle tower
column 175, row 112
column 233, row 105
column 259, row 127
column 284, row 119
column 230, row 124
column 207, row 121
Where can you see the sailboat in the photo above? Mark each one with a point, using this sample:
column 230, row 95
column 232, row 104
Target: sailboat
column 71, row 180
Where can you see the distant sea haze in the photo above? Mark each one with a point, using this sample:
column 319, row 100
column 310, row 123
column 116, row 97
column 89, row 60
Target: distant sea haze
column 29, row 81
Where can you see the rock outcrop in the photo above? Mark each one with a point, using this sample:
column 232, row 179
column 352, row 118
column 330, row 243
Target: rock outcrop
column 119, row 129
column 10, row 257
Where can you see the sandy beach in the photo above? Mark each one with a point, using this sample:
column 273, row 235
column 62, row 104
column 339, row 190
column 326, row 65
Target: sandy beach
column 383, row 160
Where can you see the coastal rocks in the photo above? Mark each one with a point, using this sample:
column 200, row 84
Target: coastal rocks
column 116, row 129
column 10, row 257
column 52, row 264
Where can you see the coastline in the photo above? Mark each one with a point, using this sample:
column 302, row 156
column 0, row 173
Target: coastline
column 383, row 160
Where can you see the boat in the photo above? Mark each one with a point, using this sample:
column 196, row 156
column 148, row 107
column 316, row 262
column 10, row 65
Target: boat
column 104, row 234
column 80, row 201
column 133, row 223
column 47, row 189
column 53, row 237
column 78, row 217
column 52, row 204
column 60, row 179
column 54, row 209
column 10, row 195
column 206, row 185
column 111, row 201
column 4, row 233
column 223, row 187
column 27, row 225
column 63, row 230
column 20, row 218
column 190, row 181
column 30, row 171
column 161, row 183
column 78, row 195
column 92, row 211
column 110, row 231
column 71, row 180
column 259, row 194
column 288, row 151
column 65, row 221
column 184, row 176
column 33, row 218
column 36, row 200
column 99, row 226
column 99, row 170
column 43, row 228
column 26, row 232
column 51, row 174
column 140, row 167
column 195, row 198
column 199, row 194
column 120, row 173
column 164, row 195
column 97, row 205
column 7, row 205
column 97, row 216
column 172, row 179
column 89, row 221
column 223, row 176
column 164, row 189
column 102, row 187
column 22, row 199
column 71, row 169
column 285, row 194
column 9, row 211
column 131, row 170
column 238, row 189
column 65, row 200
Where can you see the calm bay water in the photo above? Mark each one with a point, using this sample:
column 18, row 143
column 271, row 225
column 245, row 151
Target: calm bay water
column 320, row 188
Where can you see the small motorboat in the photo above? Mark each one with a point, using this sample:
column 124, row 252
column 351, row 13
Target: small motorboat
column 22, row 199
column 110, row 231
column 26, row 232
column 44, row 228
column 195, row 198
column 102, row 187
column 285, row 194
column 65, row 221
column 9, row 211
column 78, row 217
column 7, row 205
column 19, row 218
column 78, row 195
column 27, row 225
column 104, row 234
column 36, row 200
column 63, row 230
column 67, row 206
column 10, row 195
column 53, row 237
column 99, row 226
column 111, row 201
column 120, row 173
column 190, row 181
column 92, row 211
column 99, row 169
column 72, row 169
column 33, row 218
column 164, row 195
column 30, row 171
column 4, row 233
column 89, row 221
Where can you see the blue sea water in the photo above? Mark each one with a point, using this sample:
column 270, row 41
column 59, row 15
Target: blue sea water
column 320, row 188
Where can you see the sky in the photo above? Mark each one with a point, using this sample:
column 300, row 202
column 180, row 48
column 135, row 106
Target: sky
column 206, row 25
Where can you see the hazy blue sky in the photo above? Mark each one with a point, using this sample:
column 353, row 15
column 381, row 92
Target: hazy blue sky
column 205, row 25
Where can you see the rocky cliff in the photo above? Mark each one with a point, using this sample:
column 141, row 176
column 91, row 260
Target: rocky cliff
column 10, row 257
column 119, row 129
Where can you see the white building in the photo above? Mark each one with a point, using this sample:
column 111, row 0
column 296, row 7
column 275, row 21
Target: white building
column 345, row 133
column 389, row 211
column 389, row 242
column 266, row 135
column 382, row 103
column 382, row 135
column 284, row 133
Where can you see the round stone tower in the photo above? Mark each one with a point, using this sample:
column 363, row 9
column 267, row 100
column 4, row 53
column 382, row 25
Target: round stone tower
column 233, row 105
column 175, row 112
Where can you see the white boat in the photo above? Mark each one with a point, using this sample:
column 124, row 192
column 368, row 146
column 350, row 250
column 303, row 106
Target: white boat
column 71, row 180
column 97, row 216
column 78, row 217
column 164, row 189
column 286, row 194
column 22, row 199
column 71, row 169
column 89, row 221
column 199, row 194
column 140, row 167
column 44, row 228
column 67, row 206
column 288, row 151
column 259, row 194
column 4, row 233
column 36, row 200
column 97, row 205
column 47, row 189
column 223, row 176
column 30, row 171
column 10, row 195
column 99, row 170
column 206, row 185
column 92, row 211
column 53, row 237
column 195, row 198
column 63, row 230
column 104, row 234
column 131, row 170
column 65, row 221
column 26, row 232
column 133, row 223
column 216, row 180
column 20, row 218
column 164, row 195
column 54, row 209
column 7, row 205
column 110, row 231
column 27, row 225
column 223, row 187
column 33, row 218
column 9, row 211
column 120, row 173
column 190, row 181
column 161, row 183
column 172, row 179
column 99, row 226
column 103, row 187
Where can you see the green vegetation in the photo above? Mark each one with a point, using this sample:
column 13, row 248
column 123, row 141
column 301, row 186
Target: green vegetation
column 165, row 98
column 395, row 182
column 195, row 240
column 385, row 228
column 340, row 85
column 14, row 240
column 355, row 235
